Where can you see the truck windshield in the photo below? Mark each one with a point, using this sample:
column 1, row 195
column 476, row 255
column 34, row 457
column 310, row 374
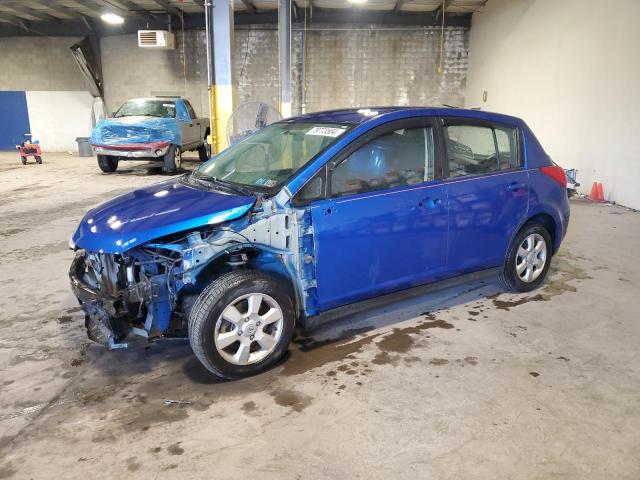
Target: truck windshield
column 271, row 155
column 148, row 108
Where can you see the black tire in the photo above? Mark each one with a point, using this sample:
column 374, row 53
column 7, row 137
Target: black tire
column 209, row 307
column 204, row 151
column 509, row 277
column 107, row 164
column 23, row 159
column 172, row 161
column 39, row 159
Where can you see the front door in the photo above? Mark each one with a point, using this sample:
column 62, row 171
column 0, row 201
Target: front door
column 384, row 225
column 488, row 192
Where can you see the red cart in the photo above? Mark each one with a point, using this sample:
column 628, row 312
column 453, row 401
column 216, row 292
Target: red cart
column 29, row 149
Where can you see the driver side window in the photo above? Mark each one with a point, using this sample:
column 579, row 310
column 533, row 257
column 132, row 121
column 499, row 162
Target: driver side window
column 402, row 157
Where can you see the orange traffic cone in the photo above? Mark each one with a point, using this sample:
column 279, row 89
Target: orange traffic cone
column 597, row 194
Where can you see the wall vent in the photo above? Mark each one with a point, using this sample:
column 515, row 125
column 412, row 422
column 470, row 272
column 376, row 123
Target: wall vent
column 156, row 39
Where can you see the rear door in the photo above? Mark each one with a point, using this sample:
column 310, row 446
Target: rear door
column 487, row 189
column 384, row 225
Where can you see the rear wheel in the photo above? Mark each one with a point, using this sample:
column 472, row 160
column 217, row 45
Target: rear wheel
column 38, row 159
column 107, row 164
column 204, row 151
column 528, row 259
column 172, row 161
column 241, row 324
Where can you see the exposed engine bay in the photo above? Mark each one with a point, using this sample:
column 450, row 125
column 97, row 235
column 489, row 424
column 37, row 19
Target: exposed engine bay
column 150, row 289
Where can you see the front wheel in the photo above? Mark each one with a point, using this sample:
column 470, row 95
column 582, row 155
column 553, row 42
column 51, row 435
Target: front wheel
column 23, row 159
column 241, row 324
column 172, row 161
column 528, row 259
column 107, row 164
column 38, row 159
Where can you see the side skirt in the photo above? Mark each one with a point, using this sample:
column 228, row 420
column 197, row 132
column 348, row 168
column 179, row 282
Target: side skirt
column 312, row 322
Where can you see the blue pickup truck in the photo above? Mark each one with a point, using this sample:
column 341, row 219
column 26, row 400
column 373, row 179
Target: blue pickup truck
column 159, row 128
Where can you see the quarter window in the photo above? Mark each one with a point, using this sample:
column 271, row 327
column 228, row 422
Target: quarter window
column 473, row 150
column 402, row 157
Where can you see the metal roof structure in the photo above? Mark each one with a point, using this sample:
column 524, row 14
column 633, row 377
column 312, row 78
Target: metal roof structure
column 82, row 17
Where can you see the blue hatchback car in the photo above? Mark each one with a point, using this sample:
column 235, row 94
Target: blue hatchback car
column 314, row 213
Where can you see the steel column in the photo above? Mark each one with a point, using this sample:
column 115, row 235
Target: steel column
column 284, row 53
column 219, row 31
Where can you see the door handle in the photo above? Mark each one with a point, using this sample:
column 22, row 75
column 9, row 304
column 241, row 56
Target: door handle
column 191, row 124
column 515, row 186
column 430, row 202
column 329, row 210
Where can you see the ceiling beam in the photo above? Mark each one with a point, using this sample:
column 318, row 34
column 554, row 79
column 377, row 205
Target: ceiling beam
column 249, row 6
column 21, row 10
column 167, row 6
column 195, row 21
column 398, row 6
column 441, row 10
column 58, row 8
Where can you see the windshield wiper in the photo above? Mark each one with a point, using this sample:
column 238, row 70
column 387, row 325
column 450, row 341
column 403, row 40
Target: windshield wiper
column 234, row 187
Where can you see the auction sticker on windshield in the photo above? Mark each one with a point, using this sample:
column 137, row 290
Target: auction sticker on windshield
column 326, row 131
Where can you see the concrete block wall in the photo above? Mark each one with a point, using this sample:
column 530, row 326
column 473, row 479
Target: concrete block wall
column 39, row 63
column 344, row 67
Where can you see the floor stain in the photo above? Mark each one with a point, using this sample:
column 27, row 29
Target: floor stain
column 175, row 449
column 296, row 401
column 397, row 341
column 438, row 361
column 534, row 374
column 562, row 358
column 249, row 407
column 471, row 360
column 132, row 464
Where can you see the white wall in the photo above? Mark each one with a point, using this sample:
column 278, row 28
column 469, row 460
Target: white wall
column 571, row 70
column 58, row 117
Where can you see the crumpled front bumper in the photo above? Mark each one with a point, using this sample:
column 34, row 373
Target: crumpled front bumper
column 134, row 150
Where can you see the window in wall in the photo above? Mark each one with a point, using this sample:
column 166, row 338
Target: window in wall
column 401, row 157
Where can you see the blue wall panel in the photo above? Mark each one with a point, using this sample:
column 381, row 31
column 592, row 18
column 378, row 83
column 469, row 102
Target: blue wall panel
column 14, row 119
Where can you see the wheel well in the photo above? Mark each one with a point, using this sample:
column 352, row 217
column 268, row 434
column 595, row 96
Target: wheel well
column 207, row 132
column 548, row 223
column 256, row 259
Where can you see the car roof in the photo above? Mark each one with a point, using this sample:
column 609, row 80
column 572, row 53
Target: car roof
column 364, row 114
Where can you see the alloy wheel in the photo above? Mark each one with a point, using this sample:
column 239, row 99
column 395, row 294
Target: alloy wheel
column 248, row 329
column 531, row 258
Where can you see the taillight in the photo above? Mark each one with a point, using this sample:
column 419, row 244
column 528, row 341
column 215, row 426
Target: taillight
column 557, row 173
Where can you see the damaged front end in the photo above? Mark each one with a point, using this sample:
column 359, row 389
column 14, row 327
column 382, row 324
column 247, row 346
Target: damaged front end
column 149, row 290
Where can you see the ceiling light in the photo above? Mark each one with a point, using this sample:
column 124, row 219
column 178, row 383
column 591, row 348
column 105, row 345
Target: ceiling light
column 112, row 18
column 357, row 2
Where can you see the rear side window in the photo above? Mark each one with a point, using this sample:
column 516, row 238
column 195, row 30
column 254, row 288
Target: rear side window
column 402, row 157
column 474, row 149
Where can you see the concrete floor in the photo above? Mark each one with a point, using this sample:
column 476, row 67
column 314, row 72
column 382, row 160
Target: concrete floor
column 469, row 382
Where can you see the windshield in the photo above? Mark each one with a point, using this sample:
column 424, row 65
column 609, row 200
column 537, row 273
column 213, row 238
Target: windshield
column 271, row 155
column 150, row 108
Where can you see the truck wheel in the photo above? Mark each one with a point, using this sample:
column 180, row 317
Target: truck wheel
column 204, row 151
column 528, row 259
column 241, row 324
column 24, row 159
column 38, row 159
column 172, row 161
column 107, row 164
